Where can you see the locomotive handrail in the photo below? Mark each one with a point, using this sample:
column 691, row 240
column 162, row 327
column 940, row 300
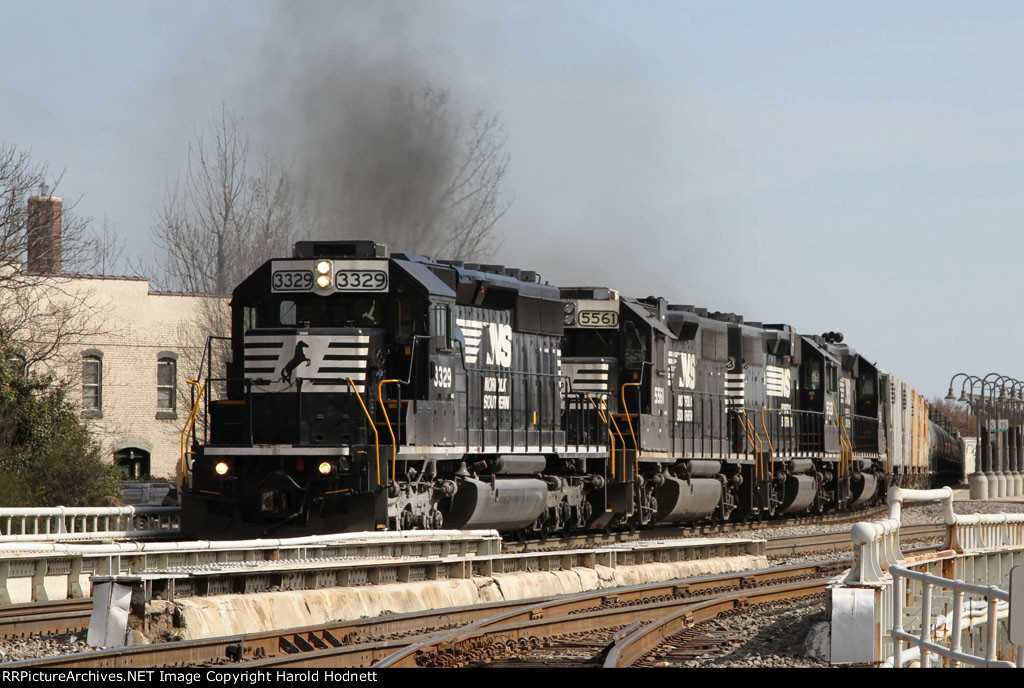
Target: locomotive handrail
column 771, row 448
column 621, row 439
column 394, row 442
column 849, row 445
column 759, row 448
column 373, row 426
column 604, row 417
column 185, row 472
column 751, row 435
column 625, row 407
column 511, row 375
column 842, row 446
column 206, row 360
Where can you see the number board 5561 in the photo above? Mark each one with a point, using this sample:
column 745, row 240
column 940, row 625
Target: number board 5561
column 598, row 319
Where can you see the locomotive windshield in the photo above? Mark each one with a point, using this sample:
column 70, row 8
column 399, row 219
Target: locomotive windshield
column 590, row 343
column 350, row 310
column 337, row 311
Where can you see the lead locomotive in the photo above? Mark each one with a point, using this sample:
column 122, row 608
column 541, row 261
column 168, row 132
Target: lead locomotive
column 370, row 391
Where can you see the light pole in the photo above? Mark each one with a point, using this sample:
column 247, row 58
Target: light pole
column 999, row 445
column 977, row 482
column 1016, row 439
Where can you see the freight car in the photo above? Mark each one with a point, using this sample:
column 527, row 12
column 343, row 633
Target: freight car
column 369, row 390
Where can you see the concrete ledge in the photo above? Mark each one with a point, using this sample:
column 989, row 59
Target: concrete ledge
column 243, row 577
column 218, row 615
column 38, row 571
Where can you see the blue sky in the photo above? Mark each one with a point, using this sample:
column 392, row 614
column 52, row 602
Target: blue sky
column 835, row 165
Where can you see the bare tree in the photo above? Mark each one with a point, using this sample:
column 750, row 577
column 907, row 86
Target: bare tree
column 475, row 198
column 958, row 415
column 40, row 312
column 218, row 224
column 106, row 251
column 223, row 219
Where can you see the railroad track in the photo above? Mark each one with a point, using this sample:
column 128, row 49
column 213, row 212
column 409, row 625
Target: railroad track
column 587, row 621
column 823, row 542
column 41, row 618
column 392, row 640
column 669, row 532
column 683, row 626
column 73, row 615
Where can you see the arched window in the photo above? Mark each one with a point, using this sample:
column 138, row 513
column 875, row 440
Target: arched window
column 92, row 382
column 133, row 462
column 166, row 384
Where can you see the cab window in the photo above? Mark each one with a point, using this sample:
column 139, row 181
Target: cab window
column 812, row 375
column 635, row 353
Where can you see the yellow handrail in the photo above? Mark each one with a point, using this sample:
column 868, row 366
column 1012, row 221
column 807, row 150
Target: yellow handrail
column 189, row 424
column 849, row 448
column 611, row 435
column 771, row 448
column 622, row 439
column 394, row 442
column 842, row 445
column 741, row 416
column 759, row 448
column 625, row 407
column 373, row 426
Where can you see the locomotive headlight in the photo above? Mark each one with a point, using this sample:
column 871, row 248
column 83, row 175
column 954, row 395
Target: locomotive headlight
column 221, row 468
column 323, row 281
column 569, row 319
column 323, row 267
column 325, row 468
column 569, row 307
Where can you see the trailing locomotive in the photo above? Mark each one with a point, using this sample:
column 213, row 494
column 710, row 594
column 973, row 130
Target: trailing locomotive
column 369, row 391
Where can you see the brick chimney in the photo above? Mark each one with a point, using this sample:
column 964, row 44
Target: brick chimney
column 43, row 232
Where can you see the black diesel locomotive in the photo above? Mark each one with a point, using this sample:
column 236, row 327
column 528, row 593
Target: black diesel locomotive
column 369, row 390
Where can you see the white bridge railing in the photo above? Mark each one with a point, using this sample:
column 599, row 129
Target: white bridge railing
column 888, row 599
column 60, row 523
column 986, row 613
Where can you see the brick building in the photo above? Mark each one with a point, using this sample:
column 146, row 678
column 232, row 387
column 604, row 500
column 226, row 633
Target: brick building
column 134, row 351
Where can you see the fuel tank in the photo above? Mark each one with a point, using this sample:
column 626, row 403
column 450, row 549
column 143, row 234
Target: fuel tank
column 864, row 489
column 679, row 500
column 800, row 491
column 513, row 503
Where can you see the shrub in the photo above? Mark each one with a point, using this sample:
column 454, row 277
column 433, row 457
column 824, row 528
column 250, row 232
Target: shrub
column 47, row 455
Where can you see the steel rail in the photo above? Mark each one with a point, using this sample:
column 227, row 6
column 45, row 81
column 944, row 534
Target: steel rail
column 339, row 640
column 595, row 609
column 800, row 544
column 254, row 645
column 667, row 532
column 40, row 618
column 628, row 648
column 472, row 642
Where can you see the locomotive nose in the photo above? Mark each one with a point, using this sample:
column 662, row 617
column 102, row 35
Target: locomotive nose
column 278, row 495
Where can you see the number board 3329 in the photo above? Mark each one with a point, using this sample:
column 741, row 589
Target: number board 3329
column 361, row 275
column 361, row 280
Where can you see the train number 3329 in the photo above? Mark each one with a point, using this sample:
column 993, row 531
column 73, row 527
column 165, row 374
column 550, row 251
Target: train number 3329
column 362, row 280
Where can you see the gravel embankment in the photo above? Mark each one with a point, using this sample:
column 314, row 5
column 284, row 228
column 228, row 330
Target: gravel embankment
column 14, row 649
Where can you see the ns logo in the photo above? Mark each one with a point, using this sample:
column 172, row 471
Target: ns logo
column 496, row 345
